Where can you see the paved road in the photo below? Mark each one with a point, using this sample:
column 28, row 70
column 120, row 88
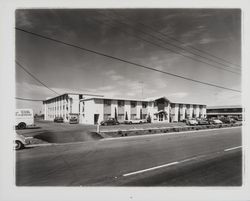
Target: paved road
column 193, row 159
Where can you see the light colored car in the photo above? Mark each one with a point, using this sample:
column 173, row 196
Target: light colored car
column 216, row 121
column 135, row 121
column 20, row 142
column 192, row 122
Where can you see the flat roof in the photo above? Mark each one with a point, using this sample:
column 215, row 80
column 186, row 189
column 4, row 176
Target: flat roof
column 224, row 107
column 133, row 99
column 72, row 94
column 111, row 98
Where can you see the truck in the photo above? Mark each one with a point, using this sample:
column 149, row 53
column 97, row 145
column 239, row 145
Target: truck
column 24, row 118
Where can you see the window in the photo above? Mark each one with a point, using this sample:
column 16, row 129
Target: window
column 144, row 105
column 80, row 96
column 121, row 103
column 120, row 116
column 133, row 104
column 132, row 116
column 106, row 116
column 107, row 102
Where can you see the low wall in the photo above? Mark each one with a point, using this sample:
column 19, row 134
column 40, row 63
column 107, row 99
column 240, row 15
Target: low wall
column 147, row 131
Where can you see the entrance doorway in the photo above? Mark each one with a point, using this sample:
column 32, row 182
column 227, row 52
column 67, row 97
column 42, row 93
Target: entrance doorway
column 96, row 118
column 161, row 116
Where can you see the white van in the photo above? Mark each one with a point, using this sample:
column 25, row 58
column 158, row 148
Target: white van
column 24, row 118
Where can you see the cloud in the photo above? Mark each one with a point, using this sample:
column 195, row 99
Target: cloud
column 113, row 75
column 178, row 95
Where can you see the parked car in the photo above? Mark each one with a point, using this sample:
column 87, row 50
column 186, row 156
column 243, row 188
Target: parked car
column 203, row 122
column 110, row 121
column 135, row 121
column 73, row 120
column 227, row 120
column 58, row 119
column 215, row 121
column 191, row 122
column 20, row 142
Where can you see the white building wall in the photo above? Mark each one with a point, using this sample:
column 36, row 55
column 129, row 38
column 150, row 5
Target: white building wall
column 190, row 111
column 114, row 104
column 152, row 110
column 89, row 108
column 197, row 111
column 138, row 109
column 175, row 112
column 74, row 101
column 127, row 108
column 183, row 112
column 203, row 112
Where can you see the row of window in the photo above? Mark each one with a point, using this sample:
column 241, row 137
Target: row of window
column 121, row 103
column 57, row 108
column 133, row 104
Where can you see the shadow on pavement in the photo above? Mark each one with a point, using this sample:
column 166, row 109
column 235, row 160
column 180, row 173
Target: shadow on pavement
column 65, row 136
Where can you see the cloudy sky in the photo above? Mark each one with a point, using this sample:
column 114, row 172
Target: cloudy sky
column 123, row 34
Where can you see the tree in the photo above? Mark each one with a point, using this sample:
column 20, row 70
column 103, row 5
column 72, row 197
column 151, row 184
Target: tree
column 115, row 114
column 140, row 113
column 126, row 116
column 149, row 118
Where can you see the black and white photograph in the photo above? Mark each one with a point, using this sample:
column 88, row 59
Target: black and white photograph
column 128, row 97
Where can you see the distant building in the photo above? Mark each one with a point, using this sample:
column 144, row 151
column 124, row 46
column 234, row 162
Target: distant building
column 65, row 105
column 225, row 111
column 93, row 110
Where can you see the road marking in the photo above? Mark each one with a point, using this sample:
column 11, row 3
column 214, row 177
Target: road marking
column 229, row 149
column 175, row 163
column 149, row 169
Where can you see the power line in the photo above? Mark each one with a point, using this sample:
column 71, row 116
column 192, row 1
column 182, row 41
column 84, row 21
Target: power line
column 125, row 61
column 191, row 47
column 27, row 99
column 160, row 39
column 18, row 64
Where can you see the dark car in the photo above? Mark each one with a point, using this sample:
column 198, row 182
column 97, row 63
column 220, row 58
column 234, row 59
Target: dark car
column 110, row 121
column 203, row 122
column 227, row 120
column 58, row 120
column 73, row 120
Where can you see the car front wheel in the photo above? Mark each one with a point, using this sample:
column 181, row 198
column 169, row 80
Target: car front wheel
column 18, row 145
column 21, row 125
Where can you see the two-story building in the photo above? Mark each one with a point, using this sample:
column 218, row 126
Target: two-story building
column 93, row 110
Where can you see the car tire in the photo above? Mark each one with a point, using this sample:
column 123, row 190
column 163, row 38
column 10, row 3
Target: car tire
column 21, row 125
column 18, row 145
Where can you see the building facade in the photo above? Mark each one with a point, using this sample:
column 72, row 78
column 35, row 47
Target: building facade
column 93, row 110
column 65, row 106
column 225, row 111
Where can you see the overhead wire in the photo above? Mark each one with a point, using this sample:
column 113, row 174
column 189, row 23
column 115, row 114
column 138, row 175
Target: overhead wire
column 179, row 53
column 34, row 77
column 124, row 61
column 179, row 41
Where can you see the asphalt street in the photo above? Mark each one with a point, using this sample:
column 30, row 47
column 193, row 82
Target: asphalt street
column 202, row 158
